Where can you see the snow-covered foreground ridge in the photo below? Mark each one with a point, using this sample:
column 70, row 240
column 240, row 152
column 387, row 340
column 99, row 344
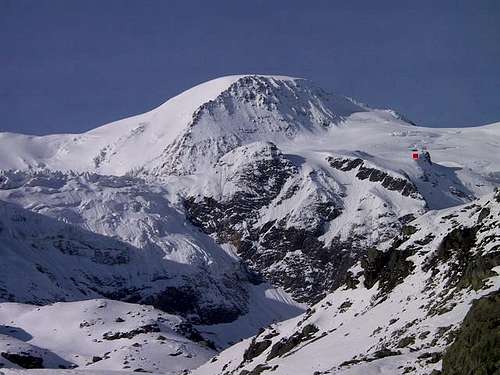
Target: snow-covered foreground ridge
column 236, row 204
column 400, row 310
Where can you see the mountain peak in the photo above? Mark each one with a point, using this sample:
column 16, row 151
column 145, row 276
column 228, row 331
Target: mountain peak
column 253, row 108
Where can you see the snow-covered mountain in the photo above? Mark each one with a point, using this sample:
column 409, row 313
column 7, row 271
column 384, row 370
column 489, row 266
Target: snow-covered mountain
column 194, row 128
column 235, row 204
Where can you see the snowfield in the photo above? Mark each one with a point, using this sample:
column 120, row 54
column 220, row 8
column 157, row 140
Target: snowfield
column 155, row 242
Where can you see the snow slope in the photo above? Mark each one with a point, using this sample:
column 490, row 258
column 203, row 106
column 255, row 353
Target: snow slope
column 98, row 334
column 114, row 148
column 124, row 145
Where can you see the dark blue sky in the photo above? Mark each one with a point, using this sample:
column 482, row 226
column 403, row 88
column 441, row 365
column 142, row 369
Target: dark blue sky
column 69, row 66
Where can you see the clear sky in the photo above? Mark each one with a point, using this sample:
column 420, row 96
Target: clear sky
column 72, row 65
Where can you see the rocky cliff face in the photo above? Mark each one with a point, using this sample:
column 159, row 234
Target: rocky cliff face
column 400, row 184
column 287, row 250
column 277, row 214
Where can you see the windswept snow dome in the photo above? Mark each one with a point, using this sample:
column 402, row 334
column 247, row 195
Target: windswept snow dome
column 219, row 114
column 132, row 141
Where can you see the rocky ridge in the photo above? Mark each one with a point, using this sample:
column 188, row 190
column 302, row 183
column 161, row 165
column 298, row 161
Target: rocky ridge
column 402, row 311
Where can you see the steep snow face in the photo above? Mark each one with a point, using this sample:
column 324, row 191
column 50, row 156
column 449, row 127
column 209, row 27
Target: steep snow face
column 194, row 129
column 302, row 211
column 397, row 314
column 122, row 207
column 464, row 161
column 98, row 335
column 300, row 214
column 44, row 260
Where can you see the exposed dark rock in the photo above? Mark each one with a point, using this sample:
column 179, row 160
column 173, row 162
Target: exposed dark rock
column 259, row 369
column 404, row 186
column 479, row 268
column 351, row 362
column 149, row 328
column 350, row 281
column 286, row 344
column 405, row 219
column 390, row 268
column 188, row 331
column 345, row 306
column 345, row 164
column 423, row 335
column 426, row 240
column 271, row 334
column 469, row 268
column 408, row 230
column 24, row 360
column 458, row 240
column 185, row 300
column 307, row 268
column 383, row 353
column 476, row 349
column 256, row 348
column 405, row 341
column 483, row 214
column 431, row 357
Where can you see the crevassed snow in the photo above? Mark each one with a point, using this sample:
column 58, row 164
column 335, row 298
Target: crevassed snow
column 157, row 248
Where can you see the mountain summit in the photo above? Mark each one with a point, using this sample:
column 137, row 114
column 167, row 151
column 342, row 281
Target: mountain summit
column 253, row 108
column 194, row 128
